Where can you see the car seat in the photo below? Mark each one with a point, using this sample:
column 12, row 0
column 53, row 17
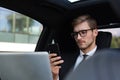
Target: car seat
column 104, row 39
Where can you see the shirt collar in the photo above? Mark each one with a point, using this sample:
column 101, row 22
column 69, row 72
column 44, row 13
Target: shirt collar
column 90, row 53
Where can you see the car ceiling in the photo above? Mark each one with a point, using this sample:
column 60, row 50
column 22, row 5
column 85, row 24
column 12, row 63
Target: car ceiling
column 55, row 12
column 58, row 14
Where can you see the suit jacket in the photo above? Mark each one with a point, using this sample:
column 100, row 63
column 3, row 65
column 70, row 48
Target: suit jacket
column 103, row 66
column 69, row 62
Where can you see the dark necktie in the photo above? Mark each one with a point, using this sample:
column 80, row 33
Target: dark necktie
column 84, row 57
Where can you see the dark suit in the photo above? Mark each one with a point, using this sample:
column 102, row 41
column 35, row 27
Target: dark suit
column 69, row 62
column 102, row 66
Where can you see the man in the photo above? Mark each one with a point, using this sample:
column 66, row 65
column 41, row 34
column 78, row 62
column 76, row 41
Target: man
column 85, row 33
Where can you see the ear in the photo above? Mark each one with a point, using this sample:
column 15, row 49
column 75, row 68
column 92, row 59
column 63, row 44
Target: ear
column 95, row 32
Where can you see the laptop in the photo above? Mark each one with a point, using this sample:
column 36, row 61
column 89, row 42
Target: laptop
column 25, row 66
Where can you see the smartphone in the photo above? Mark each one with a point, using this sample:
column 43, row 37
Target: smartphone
column 54, row 48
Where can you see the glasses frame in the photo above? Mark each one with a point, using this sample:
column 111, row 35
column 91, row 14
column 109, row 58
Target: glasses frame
column 82, row 33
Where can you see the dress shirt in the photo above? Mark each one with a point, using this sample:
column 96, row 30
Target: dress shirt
column 80, row 57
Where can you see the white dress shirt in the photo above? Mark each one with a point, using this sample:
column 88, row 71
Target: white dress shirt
column 80, row 57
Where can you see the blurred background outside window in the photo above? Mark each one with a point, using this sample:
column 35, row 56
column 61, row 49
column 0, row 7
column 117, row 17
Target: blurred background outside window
column 18, row 29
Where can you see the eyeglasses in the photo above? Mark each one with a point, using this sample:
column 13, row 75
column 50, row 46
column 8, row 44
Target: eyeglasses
column 82, row 33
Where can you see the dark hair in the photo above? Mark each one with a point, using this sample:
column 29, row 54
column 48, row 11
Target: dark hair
column 91, row 21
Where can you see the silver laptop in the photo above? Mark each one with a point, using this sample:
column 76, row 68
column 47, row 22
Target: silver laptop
column 25, row 66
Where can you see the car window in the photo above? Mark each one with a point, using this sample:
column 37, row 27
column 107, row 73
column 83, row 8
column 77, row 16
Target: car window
column 115, row 43
column 18, row 32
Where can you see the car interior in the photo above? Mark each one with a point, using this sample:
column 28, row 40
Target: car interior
column 56, row 17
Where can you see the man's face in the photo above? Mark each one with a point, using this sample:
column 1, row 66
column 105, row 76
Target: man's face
column 86, row 37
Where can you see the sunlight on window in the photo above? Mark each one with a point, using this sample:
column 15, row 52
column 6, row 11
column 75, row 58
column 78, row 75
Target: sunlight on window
column 17, row 47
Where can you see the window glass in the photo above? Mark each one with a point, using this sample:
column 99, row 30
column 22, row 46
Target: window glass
column 115, row 37
column 18, row 30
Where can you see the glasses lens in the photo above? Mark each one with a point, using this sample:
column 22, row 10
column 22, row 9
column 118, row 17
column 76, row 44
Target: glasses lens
column 83, row 33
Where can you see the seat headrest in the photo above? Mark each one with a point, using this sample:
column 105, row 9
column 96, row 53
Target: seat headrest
column 103, row 39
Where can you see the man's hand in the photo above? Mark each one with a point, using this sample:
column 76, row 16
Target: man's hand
column 55, row 61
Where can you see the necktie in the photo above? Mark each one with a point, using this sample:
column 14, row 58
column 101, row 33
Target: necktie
column 84, row 57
